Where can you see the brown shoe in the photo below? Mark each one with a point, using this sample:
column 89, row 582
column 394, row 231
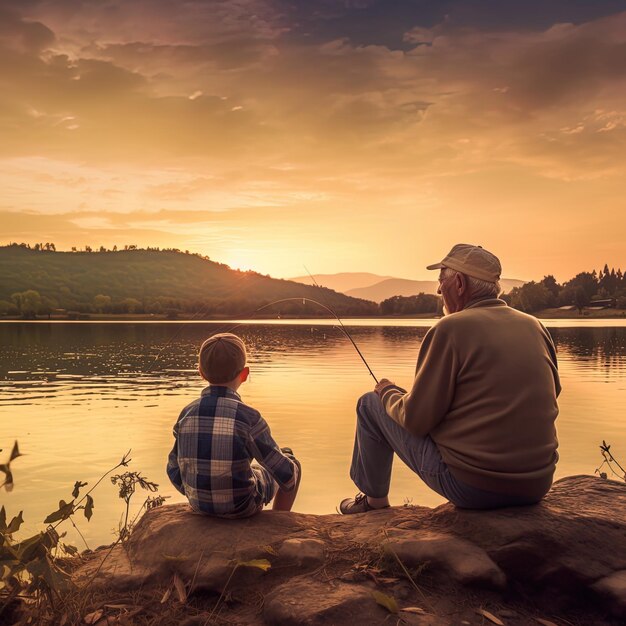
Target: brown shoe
column 358, row 504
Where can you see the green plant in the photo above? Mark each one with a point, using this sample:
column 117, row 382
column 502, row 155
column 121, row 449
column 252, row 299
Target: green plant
column 5, row 468
column 29, row 569
column 127, row 484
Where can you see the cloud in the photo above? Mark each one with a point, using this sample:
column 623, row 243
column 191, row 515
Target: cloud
column 23, row 35
column 210, row 114
column 317, row 105
column 159, row 21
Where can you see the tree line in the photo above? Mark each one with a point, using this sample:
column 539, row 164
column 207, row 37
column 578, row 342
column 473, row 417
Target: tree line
column 172, row 282
column 41, row 281
column 30, row 304
column 51, row 247
column 606, row 285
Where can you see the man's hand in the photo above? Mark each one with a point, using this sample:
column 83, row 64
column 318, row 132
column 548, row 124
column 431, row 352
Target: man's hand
column 381, row 385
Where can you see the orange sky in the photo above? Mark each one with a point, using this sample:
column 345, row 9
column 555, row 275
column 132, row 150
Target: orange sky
column 337, row 135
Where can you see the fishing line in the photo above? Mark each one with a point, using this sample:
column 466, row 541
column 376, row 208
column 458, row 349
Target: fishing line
column 341, row 327
column 200, row 312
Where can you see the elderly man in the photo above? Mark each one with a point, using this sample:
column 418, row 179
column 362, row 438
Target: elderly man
column 478, row 424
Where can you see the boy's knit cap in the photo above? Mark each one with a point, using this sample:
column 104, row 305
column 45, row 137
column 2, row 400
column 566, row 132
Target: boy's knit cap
column 222, row 357
column 471, row 260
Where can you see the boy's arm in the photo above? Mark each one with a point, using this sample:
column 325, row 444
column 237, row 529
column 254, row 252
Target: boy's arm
column 173, row 470
column 266, row 451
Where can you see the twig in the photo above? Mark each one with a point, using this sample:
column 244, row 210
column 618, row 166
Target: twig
column 10, row 598
column 610, row 468
column 609, row 459
column 221, row 595
column 141, row 508
column 78, row 531
column 125, row 527
column 606, row 450
column 193, row 580
column 124, row 462
column 106, row 556
column 407, row 573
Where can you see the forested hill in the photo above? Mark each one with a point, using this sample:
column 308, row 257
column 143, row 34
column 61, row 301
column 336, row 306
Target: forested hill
column 149, row 281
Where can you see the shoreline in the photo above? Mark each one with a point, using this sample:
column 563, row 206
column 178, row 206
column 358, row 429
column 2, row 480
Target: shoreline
column 414, row 565
column 546, row 314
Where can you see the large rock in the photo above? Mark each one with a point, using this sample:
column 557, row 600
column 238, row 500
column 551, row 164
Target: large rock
column 613, row 587
column 175, row 540
column 304, row 552
column 567, row 553
column 311, row 603
column 559, row 548
column 462, row 560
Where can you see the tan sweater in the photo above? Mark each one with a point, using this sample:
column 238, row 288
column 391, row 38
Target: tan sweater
column 485, row 390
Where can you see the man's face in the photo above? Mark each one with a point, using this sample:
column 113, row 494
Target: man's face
column 451, row 291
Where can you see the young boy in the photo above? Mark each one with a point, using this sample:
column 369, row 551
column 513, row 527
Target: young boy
column 217, row 436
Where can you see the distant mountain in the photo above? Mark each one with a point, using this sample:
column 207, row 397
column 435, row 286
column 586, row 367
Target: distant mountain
column 151, row 281
column 343, row 281
column 403, row 287
column 378, row 288
column 396, row 287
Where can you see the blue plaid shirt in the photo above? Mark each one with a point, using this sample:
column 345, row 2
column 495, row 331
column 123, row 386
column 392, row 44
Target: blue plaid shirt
column 216, row 438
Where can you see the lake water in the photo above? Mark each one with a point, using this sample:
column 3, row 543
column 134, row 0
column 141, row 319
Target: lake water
column 78, row 395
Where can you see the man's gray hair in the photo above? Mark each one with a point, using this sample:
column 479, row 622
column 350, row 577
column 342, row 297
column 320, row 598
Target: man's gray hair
column 478, row 288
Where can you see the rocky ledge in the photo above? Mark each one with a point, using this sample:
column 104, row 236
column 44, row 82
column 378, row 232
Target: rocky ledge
column 559, row 562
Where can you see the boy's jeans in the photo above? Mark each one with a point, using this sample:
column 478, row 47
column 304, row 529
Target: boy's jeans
column 378, row 437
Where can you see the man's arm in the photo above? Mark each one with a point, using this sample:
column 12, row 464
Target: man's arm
column 266, row 451
column 554, row 363
column 428, row 401
column 173, row 470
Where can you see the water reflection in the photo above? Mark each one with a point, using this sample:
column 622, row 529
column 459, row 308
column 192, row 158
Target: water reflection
column 77, row 396
column 598, row 352
column 86, row 358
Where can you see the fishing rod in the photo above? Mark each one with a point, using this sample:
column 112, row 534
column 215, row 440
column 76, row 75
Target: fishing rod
column 196, row 315
column 342, row 327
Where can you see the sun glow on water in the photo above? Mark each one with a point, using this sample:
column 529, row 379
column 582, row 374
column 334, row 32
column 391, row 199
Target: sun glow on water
column 76, row 396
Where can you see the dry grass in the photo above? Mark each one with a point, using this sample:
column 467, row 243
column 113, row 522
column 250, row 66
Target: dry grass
column 144, row 607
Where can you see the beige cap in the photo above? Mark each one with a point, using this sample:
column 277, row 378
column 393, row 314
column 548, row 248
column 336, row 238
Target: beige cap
column 471, row 260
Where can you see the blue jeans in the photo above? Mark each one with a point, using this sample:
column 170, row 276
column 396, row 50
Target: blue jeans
column 378, row 437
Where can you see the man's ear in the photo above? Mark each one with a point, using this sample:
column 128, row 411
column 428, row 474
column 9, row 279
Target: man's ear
column 461, row 283
column 245, row 372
